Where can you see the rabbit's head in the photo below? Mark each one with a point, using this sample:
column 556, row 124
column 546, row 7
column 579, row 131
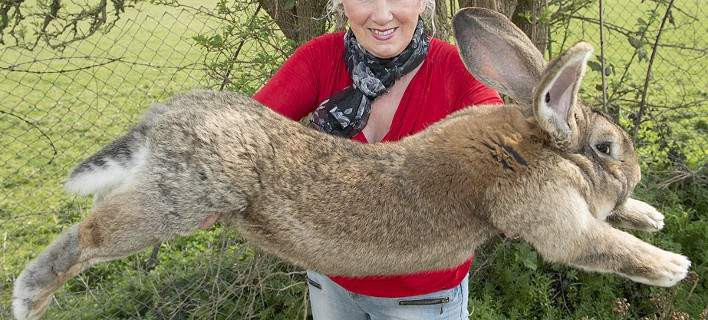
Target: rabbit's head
column 500, row 55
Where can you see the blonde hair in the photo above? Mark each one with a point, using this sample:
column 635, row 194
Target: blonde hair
column 336, row 11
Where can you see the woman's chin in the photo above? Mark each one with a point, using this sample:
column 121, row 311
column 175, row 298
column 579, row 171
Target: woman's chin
column 385, row 51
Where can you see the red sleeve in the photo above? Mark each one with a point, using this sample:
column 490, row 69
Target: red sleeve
column 292, row 91
column 468, row 90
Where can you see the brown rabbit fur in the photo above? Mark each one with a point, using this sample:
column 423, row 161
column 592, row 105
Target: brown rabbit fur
column 548, row 170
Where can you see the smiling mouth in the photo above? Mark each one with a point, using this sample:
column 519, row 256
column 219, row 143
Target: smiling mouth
column 384, row 34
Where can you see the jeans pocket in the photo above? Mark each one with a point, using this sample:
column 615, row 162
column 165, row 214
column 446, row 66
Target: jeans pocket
column 424, row 302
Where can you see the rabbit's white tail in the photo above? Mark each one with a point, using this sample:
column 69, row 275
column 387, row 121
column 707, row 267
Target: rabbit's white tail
column 105, row 171
column 117, row 162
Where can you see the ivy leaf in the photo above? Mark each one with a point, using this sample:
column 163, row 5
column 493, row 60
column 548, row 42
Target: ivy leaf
column 546, row 16
column 527, row 256
column 216, row 41
column 527, row 15
column 671, row 18
column 634, row 42
column 200, row 39
column 594, row 65
column 642, row 53
column 531, row 260
column 597, row 66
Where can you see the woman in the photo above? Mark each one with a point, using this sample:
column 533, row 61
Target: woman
column 381, row 81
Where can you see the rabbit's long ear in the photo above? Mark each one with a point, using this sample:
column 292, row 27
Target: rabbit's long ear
column 555, row 98
column 498, row 53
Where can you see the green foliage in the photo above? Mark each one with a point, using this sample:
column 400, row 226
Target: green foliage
column 55, row 23
column 209, row 275
column 509, row 283
column 243, row 54
column 214, row 275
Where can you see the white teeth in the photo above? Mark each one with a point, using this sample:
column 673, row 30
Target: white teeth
column 383, row 33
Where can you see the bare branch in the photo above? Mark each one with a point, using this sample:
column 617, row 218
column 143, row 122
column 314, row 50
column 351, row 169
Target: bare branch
column 602, row 61
column 33, row 125
column 107, row 60
column 634, row 53
column 642, row 103
column 54, row 24
column 627, row 32
column 237, row 52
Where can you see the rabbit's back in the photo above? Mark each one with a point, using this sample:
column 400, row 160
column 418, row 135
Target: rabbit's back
column 217, row 152
column 204, row 153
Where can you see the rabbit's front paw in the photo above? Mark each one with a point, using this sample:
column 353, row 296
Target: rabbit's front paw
column 665, row 270
column 638, row 215
column 652, row 217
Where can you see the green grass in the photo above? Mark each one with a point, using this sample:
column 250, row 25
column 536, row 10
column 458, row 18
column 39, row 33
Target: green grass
column 678, row 75
column 212, row 274
column 80, row 111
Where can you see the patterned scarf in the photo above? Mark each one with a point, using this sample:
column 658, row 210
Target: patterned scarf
column 346, row 112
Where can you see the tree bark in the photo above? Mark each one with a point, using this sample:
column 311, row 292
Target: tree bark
column 443, row 30
column 535, row 29
column 298, row 20
column 284, row 18
column 310, row 14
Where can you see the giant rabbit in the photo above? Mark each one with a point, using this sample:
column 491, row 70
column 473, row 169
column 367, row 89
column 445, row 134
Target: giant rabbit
column 549, row 170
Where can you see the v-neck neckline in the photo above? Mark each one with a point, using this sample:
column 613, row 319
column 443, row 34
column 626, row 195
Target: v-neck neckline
column 397, row 113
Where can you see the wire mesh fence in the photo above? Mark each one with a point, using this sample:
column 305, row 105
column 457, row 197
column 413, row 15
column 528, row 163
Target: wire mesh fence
column 60, row 105
column 654, row 58
column 56, row 102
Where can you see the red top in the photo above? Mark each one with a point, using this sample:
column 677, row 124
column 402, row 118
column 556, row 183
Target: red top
column 441, row 86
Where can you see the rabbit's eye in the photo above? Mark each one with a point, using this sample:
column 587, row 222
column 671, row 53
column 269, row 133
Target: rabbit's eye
column 604, row 147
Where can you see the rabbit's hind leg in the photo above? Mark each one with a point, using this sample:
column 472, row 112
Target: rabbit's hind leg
column 117, row 227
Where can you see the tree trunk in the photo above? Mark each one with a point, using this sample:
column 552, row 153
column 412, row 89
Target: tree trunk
column 298, row 20
column 310, row 22
column 526, row 17
column 443, row 30
column 284, row 18
column 519, row 11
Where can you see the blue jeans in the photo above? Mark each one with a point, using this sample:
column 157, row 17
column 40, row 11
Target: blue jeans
column 329, row 301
